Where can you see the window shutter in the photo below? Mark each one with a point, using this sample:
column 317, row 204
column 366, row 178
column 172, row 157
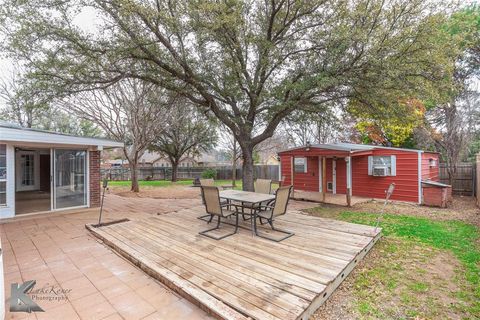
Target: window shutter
column 370, row 165
column 393, row 161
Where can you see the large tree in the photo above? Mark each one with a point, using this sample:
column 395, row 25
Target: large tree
column 186, row 132
column 132, row 111
column 249, row 63
column 231, row 149
column 313, row 127
column 24, row 104
column 390, row 129
column 30, row 107
column 454, row 122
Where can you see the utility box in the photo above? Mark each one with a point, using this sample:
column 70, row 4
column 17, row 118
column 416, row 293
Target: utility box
column 436, row 194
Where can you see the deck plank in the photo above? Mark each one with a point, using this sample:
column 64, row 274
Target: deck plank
column 230, row 294
column 244, row 276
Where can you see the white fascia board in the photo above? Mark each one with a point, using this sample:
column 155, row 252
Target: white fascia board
column 31, row 136
column 420, row 177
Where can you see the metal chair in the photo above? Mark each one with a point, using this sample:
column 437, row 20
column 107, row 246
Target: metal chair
column 215, row 208
column 263, row 186
column 206, row 183
column 260, row 186
column 270, row 212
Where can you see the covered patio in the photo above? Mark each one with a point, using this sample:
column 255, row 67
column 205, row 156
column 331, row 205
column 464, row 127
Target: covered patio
column 330, row 198
column 243, row 276
column 321, row 173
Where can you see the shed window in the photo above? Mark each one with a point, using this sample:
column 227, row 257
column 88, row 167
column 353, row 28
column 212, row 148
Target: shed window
column 300, row 165
column 3, row 174
column 378, row 163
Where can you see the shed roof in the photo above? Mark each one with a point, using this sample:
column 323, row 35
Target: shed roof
column 16, row 133
column 348, row 147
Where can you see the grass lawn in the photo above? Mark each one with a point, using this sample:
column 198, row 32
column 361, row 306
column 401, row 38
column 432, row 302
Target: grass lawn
column 151, row 183
column 422, row 268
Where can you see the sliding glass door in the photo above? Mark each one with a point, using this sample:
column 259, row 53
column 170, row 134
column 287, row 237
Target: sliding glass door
column 70, row 178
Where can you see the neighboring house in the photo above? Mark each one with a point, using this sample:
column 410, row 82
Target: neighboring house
column 163, row 162
column 148, row 159
column 114, row 164
column 48, row 171
column 269, row 159
column 363, row 170
column 213, row 158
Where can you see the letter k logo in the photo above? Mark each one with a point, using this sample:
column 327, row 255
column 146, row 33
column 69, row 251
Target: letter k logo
column 19, row 301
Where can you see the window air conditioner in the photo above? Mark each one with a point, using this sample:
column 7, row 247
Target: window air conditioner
column 380, row 171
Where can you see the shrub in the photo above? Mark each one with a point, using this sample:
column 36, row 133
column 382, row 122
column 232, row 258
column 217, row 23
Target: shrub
column 209, row 173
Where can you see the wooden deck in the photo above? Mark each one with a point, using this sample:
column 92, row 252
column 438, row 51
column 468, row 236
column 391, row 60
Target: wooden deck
column 243, row 276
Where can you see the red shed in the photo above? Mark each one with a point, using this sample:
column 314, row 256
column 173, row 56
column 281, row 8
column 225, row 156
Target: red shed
column 358, row 170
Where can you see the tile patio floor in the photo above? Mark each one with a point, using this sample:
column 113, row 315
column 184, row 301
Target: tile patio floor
column 56, row 250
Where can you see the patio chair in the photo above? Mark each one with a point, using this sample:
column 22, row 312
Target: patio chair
column 263, row 186
column 270, row 212
column 260, row 186
column 206, row 183
column 215, row 208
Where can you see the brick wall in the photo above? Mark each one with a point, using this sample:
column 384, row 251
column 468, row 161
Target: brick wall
column 94, row 165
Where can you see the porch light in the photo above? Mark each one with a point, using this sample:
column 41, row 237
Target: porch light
column 432, row 162
column 307, row 146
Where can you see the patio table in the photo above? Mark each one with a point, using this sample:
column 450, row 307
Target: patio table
column 252, row 198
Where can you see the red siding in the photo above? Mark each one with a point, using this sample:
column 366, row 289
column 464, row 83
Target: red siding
column 310, row 181
column 302, row 181
column 406, row 180
column 285, row 164
column 429, row 173
column 363, row 185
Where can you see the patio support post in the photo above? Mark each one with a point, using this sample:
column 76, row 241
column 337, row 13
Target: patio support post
column 292, row 170
column 349, row 180
column 324, row 178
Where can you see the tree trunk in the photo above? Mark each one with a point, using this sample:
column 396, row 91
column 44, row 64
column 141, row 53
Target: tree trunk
column 234, row 164
column 174, row 170
column 248, row 169
column 132, row 159
column 452, row 172
column 134, row 174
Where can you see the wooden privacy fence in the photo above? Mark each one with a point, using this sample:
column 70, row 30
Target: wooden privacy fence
column 464, row 182
column 165, row 173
